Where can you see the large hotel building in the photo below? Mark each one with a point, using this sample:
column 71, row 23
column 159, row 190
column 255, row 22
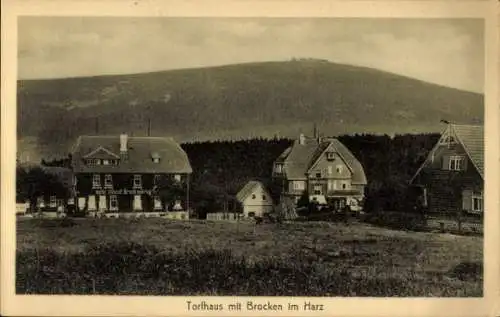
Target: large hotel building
column 122, row 174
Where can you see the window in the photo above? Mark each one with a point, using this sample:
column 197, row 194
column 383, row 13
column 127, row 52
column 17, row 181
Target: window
column 53, row 201
column 344, row 185
column 156, row 160
column 97, row 162
column 113, row 202
column 156, row 179
column 108, row 181
column 177, row 177
column 331, row 185
column 279, row 168
column 318, row 174
column 105, row 162
column 96, row 181
column 251, row 214
column 317, row 190
column 457, row 163
column 330, row 156
column 137, row 182
column 477, row 202
column 330, row 170
column 339, row 169
column 157, row 203
column 253, row 196
column 298, row 185
column 264, row 197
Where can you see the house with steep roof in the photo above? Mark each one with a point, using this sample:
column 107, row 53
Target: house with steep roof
column 255, row 199
column 324, row 168
column 451, row 179
column 126, row 174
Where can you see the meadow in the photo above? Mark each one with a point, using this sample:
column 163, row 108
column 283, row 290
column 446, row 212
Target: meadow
column 167, row 257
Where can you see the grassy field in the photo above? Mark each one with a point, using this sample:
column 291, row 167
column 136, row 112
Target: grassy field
column 162, row 257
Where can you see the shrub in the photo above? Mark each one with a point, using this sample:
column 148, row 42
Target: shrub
column 467, row 271
column 397, row 220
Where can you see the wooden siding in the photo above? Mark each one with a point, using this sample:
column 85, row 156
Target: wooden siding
column 445, row 189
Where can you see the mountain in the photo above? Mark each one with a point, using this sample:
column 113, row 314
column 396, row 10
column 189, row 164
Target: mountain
column 235, row 101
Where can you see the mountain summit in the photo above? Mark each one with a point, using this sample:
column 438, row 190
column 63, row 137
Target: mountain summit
column 236, row 101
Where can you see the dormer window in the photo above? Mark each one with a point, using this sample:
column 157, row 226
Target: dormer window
column 155, row 157
column 137, row 181
column 330, row 156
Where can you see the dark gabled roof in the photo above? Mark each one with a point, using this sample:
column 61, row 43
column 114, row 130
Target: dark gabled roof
column 300, row 158
column 297, row 158
column 248, row 189
column 472, row 139
column 140, row 153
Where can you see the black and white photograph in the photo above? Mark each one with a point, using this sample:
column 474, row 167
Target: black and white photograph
column 236, row 156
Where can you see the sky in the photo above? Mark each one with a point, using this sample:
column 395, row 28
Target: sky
column 448, row 52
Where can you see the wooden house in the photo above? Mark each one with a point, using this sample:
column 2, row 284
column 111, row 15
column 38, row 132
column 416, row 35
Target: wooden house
column 122, row 174
column 255, row 199
column 324, row 169
column 452, row 177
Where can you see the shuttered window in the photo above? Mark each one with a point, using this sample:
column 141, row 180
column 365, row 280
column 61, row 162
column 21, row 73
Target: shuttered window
column 477, row 202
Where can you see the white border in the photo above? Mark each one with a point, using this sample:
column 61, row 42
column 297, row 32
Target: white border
column 175, row 306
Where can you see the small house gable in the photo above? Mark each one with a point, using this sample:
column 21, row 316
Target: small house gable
column 460, row 148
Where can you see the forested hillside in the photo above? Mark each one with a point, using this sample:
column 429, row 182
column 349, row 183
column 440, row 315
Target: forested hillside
column 235, row 102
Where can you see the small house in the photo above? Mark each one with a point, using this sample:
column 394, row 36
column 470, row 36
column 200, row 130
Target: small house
column 255, row 200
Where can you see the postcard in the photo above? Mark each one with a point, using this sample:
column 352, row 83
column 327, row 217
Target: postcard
column 250, row 158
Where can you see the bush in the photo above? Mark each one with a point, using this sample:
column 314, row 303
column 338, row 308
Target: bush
column 467, row 271
column 397, row 220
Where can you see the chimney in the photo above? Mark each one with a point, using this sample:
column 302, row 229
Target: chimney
column 123, row 145
column 302, row 139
